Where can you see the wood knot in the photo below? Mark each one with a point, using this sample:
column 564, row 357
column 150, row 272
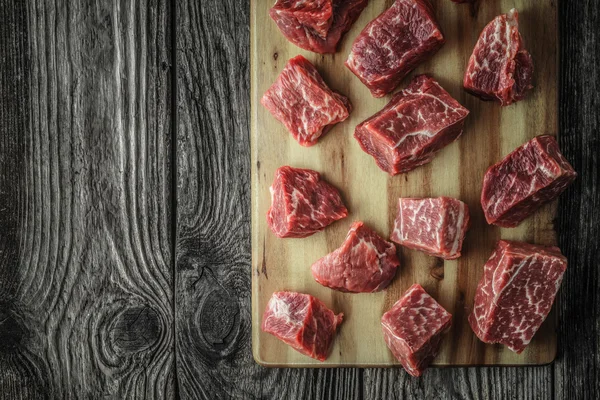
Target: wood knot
column 437, row 271
column 12, row 329
column 218, row 320
column 135, row 329
column 460, row 300
column 474, row 8
column 275, row 56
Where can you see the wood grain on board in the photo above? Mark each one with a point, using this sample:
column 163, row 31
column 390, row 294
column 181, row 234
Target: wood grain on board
column 371, row 195
column 86, row 277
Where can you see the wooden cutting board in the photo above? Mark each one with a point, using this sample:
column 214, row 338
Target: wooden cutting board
column 371, row 195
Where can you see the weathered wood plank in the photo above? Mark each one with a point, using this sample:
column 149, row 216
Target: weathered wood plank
column 85, row 267
column 22, row 374
column 577, row 374
column 213, row 321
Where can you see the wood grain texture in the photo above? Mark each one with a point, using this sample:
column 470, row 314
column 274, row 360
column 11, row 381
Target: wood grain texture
column 212, row 189
column 22, row 373
column 371, row 195
column 460, row 383
column 85, row 273
column 577, row 369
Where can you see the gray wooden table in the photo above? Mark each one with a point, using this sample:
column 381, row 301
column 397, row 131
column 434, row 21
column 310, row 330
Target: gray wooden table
column 125, row 213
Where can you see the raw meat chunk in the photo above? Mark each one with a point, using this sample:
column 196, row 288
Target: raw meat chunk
column 409, row 131
column 301, row 321
column 311, row 15
column 301, row 100
column 413, row 329
column 500, row 68
column 302, row 203
column 316, row 25
column 393, row 44
column 364, row 263
column 516, row 293
column 524, row 180
column 436, row 226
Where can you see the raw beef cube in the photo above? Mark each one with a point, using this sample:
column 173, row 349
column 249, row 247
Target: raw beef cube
column 314, row 15
column 301, row 100
column 516, row 292
column 436, row 226
column 500, row 68
column 413, row 329
column 409, row 131
column 393, row 44
column 364, row 263
column 301, row 321
column 524, row 180
column 316, row 25
column 302, row 203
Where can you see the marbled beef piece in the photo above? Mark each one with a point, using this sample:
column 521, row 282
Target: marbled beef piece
column 516, row 292
column 364, row 263
column 393, row 44
column 524, row 180
column 314, row 15
column 316, row 25
column 413, row 329
column 500, row 68
column 303, row 322
column 302, row 102
column 436, row 226
column 302, row 203
column 413, row 127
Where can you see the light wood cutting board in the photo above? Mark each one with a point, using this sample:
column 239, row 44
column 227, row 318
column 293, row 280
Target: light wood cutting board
column 371, row 195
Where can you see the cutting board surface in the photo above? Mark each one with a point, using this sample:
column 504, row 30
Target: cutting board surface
column 371, row 195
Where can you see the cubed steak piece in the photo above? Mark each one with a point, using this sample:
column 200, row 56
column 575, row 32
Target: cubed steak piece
column 302, row 102
column 516, row 292
column 303, row 322
column 500, row 68
column 413, row 329
column 524, row 180
column 316, row 25
column 364, row 263
column 312, row 15
column 393, row 44
column 436, row 226
column 302, row 203
column 413, row 127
